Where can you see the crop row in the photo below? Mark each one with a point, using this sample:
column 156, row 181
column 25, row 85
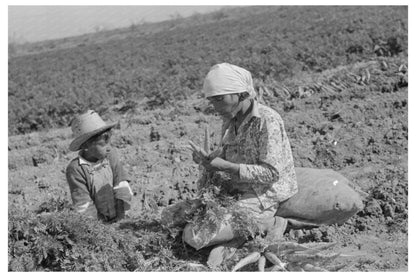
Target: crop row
column 47, row 89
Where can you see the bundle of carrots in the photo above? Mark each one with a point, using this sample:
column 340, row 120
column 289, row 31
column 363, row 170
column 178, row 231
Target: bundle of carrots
column 204, row 153
column 291, row 256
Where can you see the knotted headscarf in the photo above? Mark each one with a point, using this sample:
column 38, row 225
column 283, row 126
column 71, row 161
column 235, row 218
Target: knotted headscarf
column 225, row 78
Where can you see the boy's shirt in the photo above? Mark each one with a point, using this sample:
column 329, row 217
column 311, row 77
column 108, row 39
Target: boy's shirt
column 96, row 186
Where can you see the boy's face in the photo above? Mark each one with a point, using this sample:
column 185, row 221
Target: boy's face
column 100, row 147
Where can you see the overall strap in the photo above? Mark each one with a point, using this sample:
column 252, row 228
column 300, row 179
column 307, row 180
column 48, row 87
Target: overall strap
column 88, row 177
column 113, row 169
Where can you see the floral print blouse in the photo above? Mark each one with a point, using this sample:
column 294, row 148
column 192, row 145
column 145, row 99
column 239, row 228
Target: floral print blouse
column 261, row 147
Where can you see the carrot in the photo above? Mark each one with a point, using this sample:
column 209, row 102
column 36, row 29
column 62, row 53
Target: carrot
column 291, row 267
column 292, row 245
column 317, row 249
column 310, row 258
column 251, row 258
column 274, row 259
column 206, row 140
column 309, row 267
column 324, row 246
column 367, row 74
column 313, row 250
column 336, row 267
column 286, row 247
column 309, row 249
column 275, row 268
column 198, row 150
column 262, row 263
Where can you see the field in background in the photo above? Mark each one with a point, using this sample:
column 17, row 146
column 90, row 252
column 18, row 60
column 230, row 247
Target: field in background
column 337, row 76
column 161, row 68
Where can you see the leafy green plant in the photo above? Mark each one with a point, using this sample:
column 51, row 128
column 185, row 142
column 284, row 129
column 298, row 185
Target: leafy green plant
column 68, row 241
column 274, row 43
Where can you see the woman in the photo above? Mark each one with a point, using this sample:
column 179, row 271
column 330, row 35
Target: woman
column 254, row 156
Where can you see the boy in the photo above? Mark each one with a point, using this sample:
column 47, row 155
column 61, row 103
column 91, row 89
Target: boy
column 97, row 181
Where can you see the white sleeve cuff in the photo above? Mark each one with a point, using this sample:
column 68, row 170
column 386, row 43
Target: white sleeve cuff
column 243, row 172
column 124, row 184
column 82, row 208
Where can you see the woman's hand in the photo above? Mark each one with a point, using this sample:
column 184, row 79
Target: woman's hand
column 196, row 158
column 198, row 154
column 219, row 164
column 212, row 162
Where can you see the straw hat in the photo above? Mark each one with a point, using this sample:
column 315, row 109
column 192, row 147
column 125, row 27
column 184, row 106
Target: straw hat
column 86, row 126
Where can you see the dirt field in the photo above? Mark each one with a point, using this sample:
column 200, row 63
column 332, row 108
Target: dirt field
column 337, row 75
column 361, row 131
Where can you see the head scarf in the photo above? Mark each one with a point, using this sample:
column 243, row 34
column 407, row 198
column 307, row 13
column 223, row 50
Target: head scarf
column 225, row 78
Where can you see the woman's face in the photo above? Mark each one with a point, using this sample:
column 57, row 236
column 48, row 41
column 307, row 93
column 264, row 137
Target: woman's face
column 226, row 105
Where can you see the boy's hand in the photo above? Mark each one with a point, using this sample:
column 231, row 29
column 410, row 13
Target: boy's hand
column 123, row 192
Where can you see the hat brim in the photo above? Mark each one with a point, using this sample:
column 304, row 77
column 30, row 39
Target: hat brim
column 77, row 142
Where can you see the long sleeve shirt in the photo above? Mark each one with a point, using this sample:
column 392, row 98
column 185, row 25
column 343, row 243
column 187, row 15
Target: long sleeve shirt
column 262, row 149
column 92, row 186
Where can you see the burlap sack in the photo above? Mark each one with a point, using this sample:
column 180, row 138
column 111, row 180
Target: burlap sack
column 324, row 197
column 202, row 236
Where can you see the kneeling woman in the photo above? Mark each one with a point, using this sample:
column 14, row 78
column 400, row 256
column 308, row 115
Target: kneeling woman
column 254, row 160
